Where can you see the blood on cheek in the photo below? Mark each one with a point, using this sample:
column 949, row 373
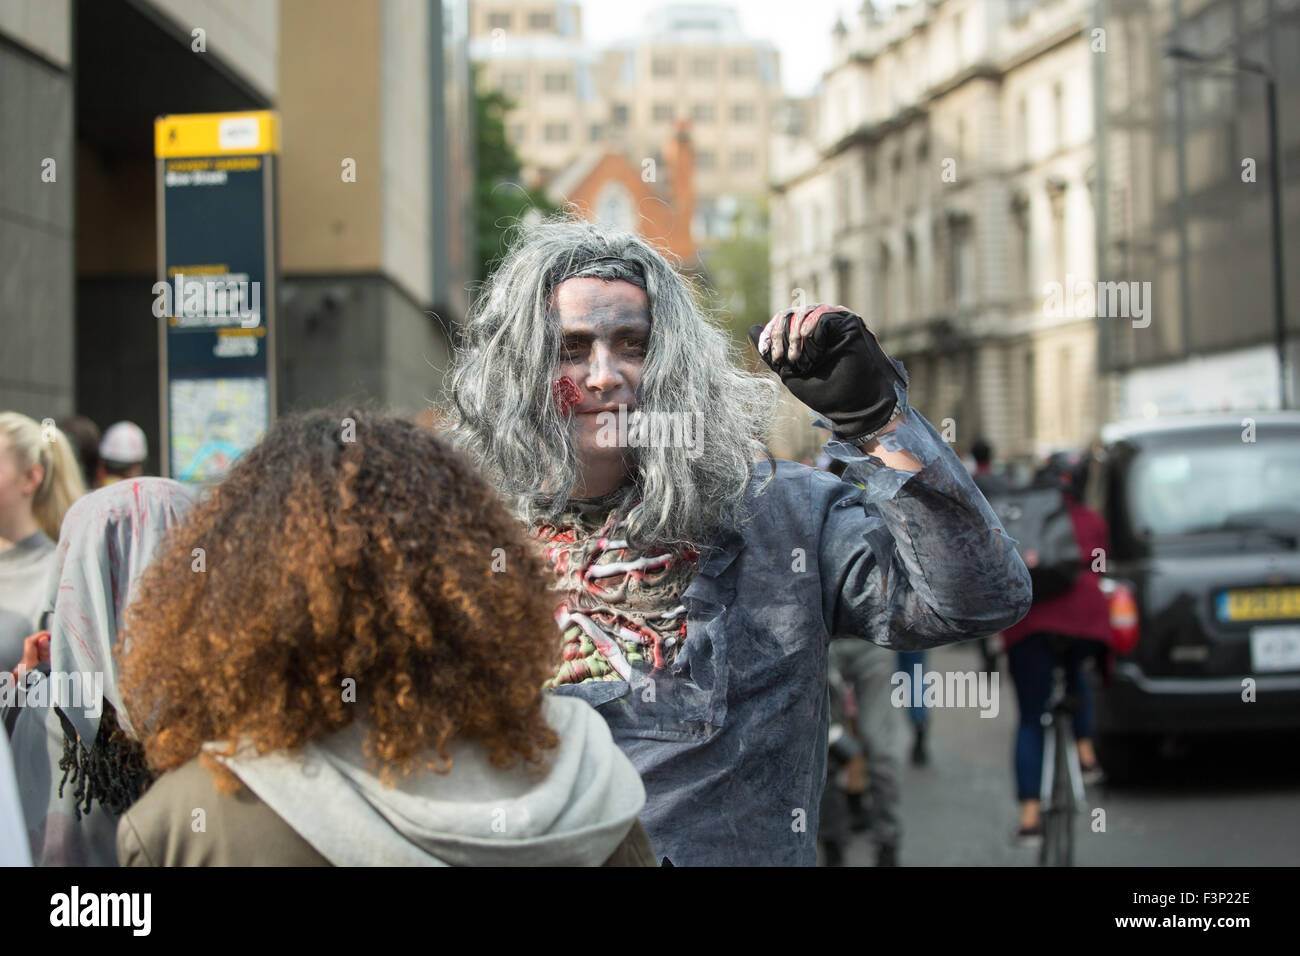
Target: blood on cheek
column 566, row 393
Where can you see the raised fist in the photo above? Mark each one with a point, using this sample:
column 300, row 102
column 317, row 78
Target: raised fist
column 831, row 362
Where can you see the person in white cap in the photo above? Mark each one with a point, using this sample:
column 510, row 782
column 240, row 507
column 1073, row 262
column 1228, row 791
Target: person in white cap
column 122, row 453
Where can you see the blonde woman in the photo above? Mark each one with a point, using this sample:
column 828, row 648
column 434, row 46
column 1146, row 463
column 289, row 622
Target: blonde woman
column 40, row 478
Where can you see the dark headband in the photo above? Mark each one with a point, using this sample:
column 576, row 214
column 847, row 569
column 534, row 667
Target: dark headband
column 581, row 269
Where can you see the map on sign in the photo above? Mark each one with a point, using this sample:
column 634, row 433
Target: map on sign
column 213, row 422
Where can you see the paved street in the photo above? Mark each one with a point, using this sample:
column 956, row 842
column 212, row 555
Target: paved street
column 1225, row 803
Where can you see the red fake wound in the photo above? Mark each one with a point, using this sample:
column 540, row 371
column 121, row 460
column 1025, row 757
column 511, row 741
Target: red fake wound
column 566, row 393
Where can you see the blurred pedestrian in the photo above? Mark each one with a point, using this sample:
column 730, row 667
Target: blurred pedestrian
column 39, row 481
column 986, row 479
column 355, row 678
column 122, row 453
column 77, row 760
column 85, row 438
column 881, row 731
column 917, row 715
column 841, row 812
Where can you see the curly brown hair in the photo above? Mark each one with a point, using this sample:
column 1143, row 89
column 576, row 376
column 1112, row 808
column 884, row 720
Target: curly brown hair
column 386, row 559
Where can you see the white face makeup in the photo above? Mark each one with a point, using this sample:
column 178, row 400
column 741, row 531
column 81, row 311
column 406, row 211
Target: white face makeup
column 606, row 334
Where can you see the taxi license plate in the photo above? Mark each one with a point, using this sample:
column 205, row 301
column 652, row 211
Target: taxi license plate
column 1259, row 604
column 1274, row 649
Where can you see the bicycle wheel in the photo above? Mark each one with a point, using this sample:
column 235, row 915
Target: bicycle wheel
column 1058, row 798
column 1063, row 796
column 1047, row 790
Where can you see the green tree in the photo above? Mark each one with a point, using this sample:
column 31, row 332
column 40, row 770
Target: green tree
column 737, row 271
column 500, row 199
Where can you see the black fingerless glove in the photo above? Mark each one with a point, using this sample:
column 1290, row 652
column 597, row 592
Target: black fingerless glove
column 842, row 373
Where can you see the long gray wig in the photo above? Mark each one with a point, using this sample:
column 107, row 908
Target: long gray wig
column 505, row 417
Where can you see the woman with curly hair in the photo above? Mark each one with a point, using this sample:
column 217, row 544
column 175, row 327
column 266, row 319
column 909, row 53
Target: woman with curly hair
column 352, row 672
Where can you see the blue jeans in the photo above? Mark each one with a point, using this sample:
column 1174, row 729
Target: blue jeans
column 1031, row 663
column 906, row 661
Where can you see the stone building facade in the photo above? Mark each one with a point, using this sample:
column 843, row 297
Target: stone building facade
column 940, row 183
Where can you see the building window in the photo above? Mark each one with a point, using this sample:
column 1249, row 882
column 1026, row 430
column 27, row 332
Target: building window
column 555, row 82
column 539, row 21
column 743, row 66
column 518, row 132
column 963, row 285
column 618, row 114
column 597, row 131
column 512, row 83
column 1024, row 247
column 913, row 304
column 663, row 112
column 919, row 181
column 843, row 203
column 704, row 66
column 662, row 66
column 702, row 112
column 498, row 21
column 1065, row 390
column 556, row 133
column 1022, row 129
column 742, row 112
column 884, row 307
column 1058, row 229
column 613, row 207
column 742, row 160
column 1058, row 115
column 843, row 280
column 1031, row 399
column 706, row 160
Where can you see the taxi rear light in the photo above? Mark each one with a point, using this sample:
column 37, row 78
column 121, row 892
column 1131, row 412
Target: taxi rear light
column 1123, row 617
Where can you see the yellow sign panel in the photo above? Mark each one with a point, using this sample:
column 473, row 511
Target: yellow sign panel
column 1262, row 604
column 216, row 134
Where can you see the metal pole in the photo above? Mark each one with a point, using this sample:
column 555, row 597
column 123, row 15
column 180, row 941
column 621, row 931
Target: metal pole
column 1180, row 206
column 1279, row 278
column 1101, row 122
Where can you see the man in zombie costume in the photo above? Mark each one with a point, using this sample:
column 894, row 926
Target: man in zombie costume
column 698, row 580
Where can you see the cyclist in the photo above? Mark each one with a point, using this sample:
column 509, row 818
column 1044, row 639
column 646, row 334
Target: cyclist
column 1083, row 613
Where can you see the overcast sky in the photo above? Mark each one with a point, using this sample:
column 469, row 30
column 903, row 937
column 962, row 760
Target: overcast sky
column 800, row 29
